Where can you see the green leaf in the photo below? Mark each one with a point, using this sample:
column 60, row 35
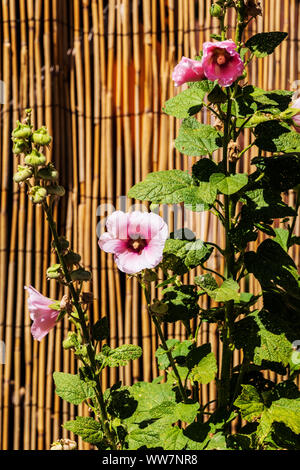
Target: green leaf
column 227, row 291
column 202, row 364
column 282, row 236
column 178, row 349
column 263, row 337
column 217, row 442
column 182, row 303
column 228, row 184
column 205, row 371
column 196, row 139
column 87, row 428
column 71, row 388
column 186, row 412
column 169, row 187
column 186, row 103
column 279, row 172
column 143, row 437
column 250, row 403
column 122, row 355
column 272, row 266
column 275, row 136
column 203, row 169
column 181, row 255
column 263, row 44
column 286, row 411
column 173, row 439
column 207, row 282
column 198, row 435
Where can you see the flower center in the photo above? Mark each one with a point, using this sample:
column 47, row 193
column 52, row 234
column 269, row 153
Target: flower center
column 221, row 56
column 137, row 245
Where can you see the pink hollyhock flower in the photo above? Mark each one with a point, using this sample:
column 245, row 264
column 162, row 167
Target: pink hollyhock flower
column 44, row 317
column 222, row 62
column 188, row 70
column 296, row 117
column 136, row 239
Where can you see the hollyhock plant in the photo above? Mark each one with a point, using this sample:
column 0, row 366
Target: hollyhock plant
column 44, row 317
column 222, row 62
column 136, row 239
column 296, row 118
column 188, row 70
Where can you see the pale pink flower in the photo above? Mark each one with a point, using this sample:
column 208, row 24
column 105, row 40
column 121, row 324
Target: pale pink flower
column 296, row 117
column 188, row 70
column 136, row 239
column 43, row 316
column 222, row 62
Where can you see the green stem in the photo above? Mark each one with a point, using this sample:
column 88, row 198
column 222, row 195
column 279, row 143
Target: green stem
column 163, row 341
column 90, row 349
column 224, row 389
column 240, row 6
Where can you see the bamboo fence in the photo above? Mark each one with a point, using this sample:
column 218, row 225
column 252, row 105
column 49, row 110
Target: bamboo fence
column 97, row 73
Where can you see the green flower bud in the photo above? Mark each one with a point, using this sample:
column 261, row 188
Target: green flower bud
column 22, row 131
column 35, row 158
column 19, row 146
column 54, row 272
column 56, row 190
column 159, row 307
column 38, row 194
column 41, row 136
column 72, row 258
column 63, row 244
column 23, row 173
column 48, row 173
column 71, row 341
column 81, row 275
column 216, row 11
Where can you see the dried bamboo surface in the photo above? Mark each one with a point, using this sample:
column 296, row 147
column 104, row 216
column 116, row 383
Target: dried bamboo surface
column 97, row 73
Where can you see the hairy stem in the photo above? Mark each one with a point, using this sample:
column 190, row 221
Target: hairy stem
column 156, row 322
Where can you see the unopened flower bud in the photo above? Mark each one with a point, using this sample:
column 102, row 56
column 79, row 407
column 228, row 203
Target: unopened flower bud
column 216, row 11
column 71, row 341
column 54, row 272
column 64, row 444
column 63, row 244
column 81, row 275
column 56, row 190
column 35, row 158
column 41, row 136
column 159, row 307
column 19, row 146
column 72, row 258
column 48, row 173
column 23, row 173
column 22, row 131
column 37, row 194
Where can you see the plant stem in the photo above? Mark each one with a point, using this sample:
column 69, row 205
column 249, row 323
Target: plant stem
column 224, row 390
column 240, row 23
column 156, row 322
column 90, row 348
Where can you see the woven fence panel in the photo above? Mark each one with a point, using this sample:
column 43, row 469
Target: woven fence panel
column 97, row 74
